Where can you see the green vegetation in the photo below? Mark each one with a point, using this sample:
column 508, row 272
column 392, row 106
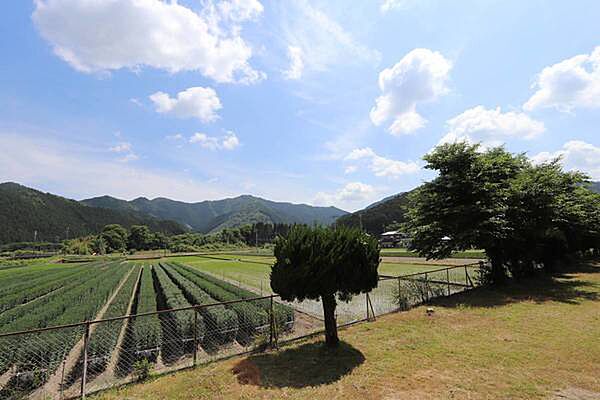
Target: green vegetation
column 221, row 323
column 87, row 294
column 524, row 216
column 380, row 216
column 147, row 331
column 322, row 263
column 474, row 254
column 105, row 335
column 182, row 325
column 25, row 211
column 528, row 340
column 251, row 317
column 214, row 216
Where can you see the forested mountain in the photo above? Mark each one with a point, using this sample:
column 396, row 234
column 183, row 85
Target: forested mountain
column 24, row 211
column 595, row 187
column 378, row 215
column 214, row 215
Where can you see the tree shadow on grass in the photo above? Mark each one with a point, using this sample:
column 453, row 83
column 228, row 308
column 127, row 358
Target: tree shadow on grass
column 311, row 364
column 563, row 287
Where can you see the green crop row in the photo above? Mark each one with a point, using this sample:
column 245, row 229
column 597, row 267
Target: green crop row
column 147, row 332
column 81, row 302
column 174, row 298
column 284, row 315
column 33, row 288
column 106, row 334
column 221, row 323
column 44, row 311
column 250, row 317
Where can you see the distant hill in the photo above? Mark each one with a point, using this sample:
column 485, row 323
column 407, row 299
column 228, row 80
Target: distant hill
column 595, row 186
column 376, row 216
column 24, row 210
column 214, row 215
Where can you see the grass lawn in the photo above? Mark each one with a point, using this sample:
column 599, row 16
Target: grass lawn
column 254, row 271
column 525, row 341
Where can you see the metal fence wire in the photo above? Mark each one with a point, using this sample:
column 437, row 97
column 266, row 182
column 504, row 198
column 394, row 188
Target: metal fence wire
column 75, row 360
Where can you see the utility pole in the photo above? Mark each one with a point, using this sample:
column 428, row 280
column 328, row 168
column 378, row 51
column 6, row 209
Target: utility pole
column 256, row 238
column 35, row 236
column 67, row 235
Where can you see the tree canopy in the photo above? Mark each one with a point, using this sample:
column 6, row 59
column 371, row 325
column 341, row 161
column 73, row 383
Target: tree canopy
column 322, row 263
column 524, row 216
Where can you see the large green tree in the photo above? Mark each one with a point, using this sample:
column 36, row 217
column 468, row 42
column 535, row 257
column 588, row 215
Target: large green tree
column 140, row 237
column 115, row 237
column 524, row 216
column 324, row 263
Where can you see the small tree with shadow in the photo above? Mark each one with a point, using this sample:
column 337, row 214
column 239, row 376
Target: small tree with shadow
column 323, row 263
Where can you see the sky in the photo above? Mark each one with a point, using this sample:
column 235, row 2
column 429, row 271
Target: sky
column 306, row 101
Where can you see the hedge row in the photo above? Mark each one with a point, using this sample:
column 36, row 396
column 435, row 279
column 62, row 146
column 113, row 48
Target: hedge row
column 250, row 317
column 221, row 323
column 29, row 288
column 44, row 311
column 147, row 332
column 81, row 302
column 106, row 334
column 284, row 315
column 174, row 298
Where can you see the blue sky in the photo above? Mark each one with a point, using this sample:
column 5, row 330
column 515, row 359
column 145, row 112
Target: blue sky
column 303, row 101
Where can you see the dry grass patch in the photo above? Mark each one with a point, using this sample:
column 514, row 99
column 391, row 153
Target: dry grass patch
column 531, row 340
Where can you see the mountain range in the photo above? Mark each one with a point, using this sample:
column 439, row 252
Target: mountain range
column 27, row 214
column 213, row 215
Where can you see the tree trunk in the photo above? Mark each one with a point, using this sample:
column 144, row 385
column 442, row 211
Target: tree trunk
column 331, row 335
column 498, row 273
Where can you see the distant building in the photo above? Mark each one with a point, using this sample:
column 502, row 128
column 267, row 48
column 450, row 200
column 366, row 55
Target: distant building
column 394, row 239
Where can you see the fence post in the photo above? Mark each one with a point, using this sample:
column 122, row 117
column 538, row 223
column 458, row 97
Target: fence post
column 426, row 288
column 466, row 276
column 86, row 341
column 271, row 325
column 195, row 336
column 367, row 304
column 448, row 279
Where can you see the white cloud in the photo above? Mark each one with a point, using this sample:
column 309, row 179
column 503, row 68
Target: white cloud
column 419, row 77
column 576, row 155
column 95, row 36
column 195, row 102
column 124, row 147
column 121, row 147
column 240, row 10
column 177, row 136
column 349, row 196
column 129, row 157
column 491, row 127
column 74, row 171
column 382, row 166
column 228, row 142
column 296, row 63
column 322, row 41
column 389, row 5
column 570, row 84
column 350, row 169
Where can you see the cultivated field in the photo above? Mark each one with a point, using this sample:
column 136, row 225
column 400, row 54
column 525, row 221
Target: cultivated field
column 532, row 340
column 40, row 296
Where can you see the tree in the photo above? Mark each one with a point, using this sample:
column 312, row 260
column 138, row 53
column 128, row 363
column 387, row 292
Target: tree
column 317, row 262
column 465, row 206
column 140, row 237
column 524, row 216
column 115, row 237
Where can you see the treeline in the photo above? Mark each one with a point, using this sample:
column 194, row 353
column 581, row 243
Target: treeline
column 114, row 238
column 526, row 216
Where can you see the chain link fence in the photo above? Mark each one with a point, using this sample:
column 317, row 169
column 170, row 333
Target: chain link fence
column 75, row 360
